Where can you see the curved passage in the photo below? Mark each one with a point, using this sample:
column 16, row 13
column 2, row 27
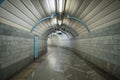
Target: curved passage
column 62, row 64
column 101, row 46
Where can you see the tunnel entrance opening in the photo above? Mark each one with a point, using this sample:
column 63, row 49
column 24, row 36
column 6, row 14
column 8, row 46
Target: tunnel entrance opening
column 56, row 38
column 59, row 35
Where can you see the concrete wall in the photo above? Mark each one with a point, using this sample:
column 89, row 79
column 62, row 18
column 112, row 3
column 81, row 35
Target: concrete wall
column 101, row 47
column 42, row 46
column 16, row 50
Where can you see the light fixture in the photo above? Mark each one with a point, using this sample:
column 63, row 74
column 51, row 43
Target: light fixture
column 60, row 10
column 60, row 5
column 59, row 22
column 58, row 32
column 54, row 21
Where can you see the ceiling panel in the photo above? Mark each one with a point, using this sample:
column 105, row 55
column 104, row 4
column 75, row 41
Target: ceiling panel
column 26, row 13
column 5, row 14
column 13, row 10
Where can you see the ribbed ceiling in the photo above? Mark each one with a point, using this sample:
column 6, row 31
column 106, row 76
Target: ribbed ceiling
column 24, row 14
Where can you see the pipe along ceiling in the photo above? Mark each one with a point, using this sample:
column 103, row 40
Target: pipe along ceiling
column 72, row 16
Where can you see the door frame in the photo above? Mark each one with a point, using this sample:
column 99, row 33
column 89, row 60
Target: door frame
column 35, row 46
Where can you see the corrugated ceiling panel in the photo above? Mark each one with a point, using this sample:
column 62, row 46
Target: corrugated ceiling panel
column 24, row 9
column 106, row 11
column 6, row 21
column 83, row 7
column 11, row 17
column 32, row 8
column 13, row 10
column 39, row 8
column 91, row 6
column 25, row 13
column 114, row 15
column 98, row 9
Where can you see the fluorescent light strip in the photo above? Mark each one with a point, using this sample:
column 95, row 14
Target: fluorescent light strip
column 59, row 22
column 60, row 5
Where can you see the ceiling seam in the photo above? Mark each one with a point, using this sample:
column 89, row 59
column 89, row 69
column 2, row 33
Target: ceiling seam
column 104, row 16
column 20, row 10
column 15, row 15
column 100, row 11
column 28, row 9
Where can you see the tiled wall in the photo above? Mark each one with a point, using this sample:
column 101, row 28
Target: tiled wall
column 16, row 50
column 42, row 46
column 101, row 47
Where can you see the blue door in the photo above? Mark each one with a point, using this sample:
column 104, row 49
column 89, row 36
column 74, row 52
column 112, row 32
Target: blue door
column 35, row 46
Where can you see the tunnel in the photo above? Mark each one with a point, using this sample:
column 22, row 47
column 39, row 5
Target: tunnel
column 59, row 39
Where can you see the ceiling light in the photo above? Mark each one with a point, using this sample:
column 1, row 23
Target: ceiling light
column 54, row 21
column 58, row 32
column 60, row 5
column 59, row 22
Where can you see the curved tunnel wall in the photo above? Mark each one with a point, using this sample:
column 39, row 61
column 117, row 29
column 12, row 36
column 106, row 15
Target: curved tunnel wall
column 65, row 29
column 101, row 47
column 17, row 50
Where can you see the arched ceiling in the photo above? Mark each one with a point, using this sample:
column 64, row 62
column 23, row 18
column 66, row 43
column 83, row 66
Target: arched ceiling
column 24, row 14
column 68, row 31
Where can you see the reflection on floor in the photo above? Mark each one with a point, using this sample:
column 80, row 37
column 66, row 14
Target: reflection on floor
column 62, row 64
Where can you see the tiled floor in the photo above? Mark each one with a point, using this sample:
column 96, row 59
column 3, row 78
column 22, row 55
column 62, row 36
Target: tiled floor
column 62, row 64
column 58, row 64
